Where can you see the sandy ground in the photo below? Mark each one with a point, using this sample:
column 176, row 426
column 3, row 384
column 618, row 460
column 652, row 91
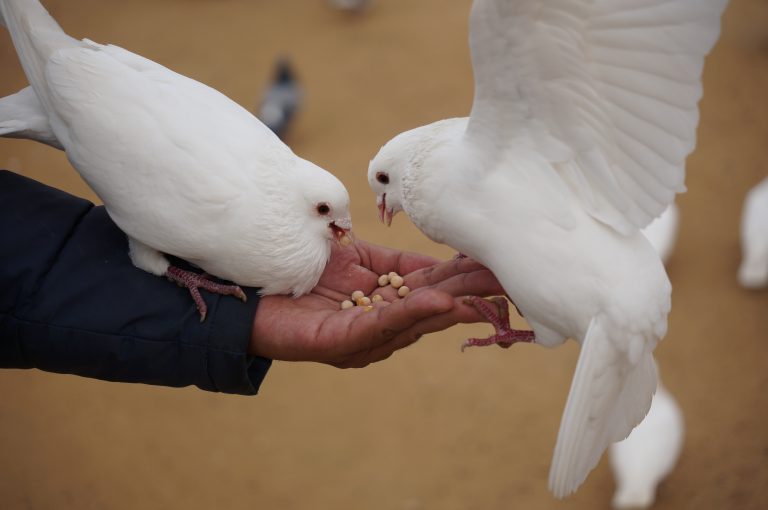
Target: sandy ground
column 431, row 428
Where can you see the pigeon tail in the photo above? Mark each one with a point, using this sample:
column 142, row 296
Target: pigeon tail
column 610, row 394
column 36, row 36
column 22, row 116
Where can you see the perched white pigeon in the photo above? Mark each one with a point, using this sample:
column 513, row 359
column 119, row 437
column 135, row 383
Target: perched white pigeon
column 181, row 168
column 662, row 232
column 583, row 115
column 753, row 272
column 648, row 455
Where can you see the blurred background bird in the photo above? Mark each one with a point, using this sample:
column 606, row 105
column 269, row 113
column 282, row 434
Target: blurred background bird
column 351, row 5
column 753, row 272
column 282, row 99
column 649, row 454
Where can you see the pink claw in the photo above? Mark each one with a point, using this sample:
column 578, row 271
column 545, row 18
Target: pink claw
column 194, row 281
column 505, row 336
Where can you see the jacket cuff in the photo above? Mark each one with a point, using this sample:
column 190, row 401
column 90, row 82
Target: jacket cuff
column 230, row 368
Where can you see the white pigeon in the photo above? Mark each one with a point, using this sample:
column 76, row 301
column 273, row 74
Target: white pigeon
column 583, row 115
column 181, row 168
column 662, row 232
column 753, row 272
column 647, row 456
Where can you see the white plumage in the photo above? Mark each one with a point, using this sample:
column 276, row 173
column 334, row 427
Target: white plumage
column 583, row 115
column 181, row 168
column 753, row 272
column 662, row 232
column 648, row 455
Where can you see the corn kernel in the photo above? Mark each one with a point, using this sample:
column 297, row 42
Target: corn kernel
column 357, row 295
column 403, row 291
column 346, row 304
column 396, row 281
column 383, row 280
column 376, row 298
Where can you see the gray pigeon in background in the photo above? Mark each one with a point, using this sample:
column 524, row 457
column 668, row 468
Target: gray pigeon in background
column 281, row 100
column 351, row 5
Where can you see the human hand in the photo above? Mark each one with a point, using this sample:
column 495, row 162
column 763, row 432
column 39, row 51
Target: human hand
column 314, row 328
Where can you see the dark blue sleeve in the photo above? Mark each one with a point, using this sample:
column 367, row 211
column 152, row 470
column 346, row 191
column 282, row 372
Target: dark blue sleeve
column 72, row 302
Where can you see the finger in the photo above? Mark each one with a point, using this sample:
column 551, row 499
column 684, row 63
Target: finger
column 438, row 272
column 382, row 260
column 461, row 313
column 385, row 321
column 478, row 283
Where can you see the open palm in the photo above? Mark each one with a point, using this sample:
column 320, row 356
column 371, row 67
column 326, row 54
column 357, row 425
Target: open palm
column 314, row 328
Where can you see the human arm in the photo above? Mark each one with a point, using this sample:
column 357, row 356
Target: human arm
column 72, row 302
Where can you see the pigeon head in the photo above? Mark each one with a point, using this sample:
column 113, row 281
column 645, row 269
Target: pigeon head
column 327, row 203
column 386, row 171
column 403, row 159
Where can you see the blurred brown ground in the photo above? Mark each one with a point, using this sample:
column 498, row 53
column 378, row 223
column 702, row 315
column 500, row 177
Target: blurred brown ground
column 431, row 428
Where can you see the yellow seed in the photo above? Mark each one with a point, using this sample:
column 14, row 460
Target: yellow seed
column 383, row 280
column 363, row 301
column 357, row 295
column 403, row 291
column 368, row 308
column 396, row 281
column 345, row 240
column 376, row 298
column 347, row 304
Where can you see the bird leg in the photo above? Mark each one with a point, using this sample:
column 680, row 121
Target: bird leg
column 505, row 336
column 195, row 281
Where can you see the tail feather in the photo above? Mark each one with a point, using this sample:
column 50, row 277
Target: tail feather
column 22, row 116
column 36, row 35
column 609, row 396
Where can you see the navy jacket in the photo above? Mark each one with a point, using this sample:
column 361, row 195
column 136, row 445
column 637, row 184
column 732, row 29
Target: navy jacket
column 72, row 302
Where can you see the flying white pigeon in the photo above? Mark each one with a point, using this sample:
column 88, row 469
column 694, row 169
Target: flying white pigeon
column 647, row 456
column 181, row 168
column 583, row 115
column 753, row 272
column 662, row 232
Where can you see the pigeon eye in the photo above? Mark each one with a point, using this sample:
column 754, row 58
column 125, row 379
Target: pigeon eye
column 382, row 177
column 323, row 209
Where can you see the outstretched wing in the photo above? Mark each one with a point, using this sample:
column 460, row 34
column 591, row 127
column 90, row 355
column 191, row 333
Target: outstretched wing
column 607, row 89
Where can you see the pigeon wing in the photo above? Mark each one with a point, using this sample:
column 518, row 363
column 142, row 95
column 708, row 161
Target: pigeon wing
column 607, row 89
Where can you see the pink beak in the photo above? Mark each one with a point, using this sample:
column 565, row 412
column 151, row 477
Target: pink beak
column 385, row 215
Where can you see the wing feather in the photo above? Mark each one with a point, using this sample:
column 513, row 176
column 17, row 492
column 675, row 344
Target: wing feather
column 616, row 81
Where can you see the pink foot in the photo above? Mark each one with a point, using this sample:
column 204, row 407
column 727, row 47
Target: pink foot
column 505, row 336
column 194, row 281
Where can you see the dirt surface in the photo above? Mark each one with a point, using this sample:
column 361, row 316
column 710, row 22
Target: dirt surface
column 431, row 428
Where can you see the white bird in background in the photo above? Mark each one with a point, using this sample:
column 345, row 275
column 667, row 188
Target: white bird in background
column 583, row 115
column 181, row 168
column 648, row 455
column 662, row 232
column 753, row 272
